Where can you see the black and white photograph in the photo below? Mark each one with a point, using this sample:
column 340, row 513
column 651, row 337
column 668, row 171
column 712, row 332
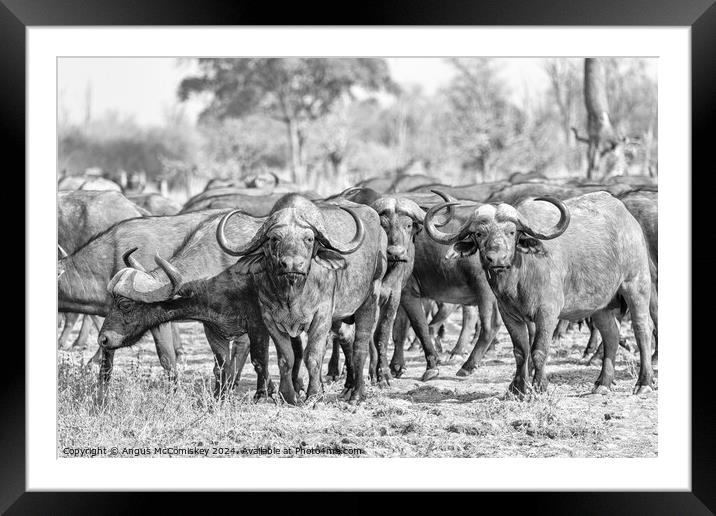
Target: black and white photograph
column 357, row 257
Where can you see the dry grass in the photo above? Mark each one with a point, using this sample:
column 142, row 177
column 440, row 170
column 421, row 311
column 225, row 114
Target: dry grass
column 446, row 417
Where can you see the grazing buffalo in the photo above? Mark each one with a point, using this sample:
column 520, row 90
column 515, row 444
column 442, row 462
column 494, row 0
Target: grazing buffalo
column 82, row 285
column 593, row 259
column 309, row 281
column 197, row 283
column 82, row 214
column 155, row 204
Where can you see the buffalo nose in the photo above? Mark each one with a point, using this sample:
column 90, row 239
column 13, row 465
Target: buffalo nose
column 102, row 340
column 396, row 251
column 291, row 264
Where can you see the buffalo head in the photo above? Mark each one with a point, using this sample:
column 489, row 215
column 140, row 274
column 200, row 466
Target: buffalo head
column 131, row 289
column 497, row 231
column 293, row 235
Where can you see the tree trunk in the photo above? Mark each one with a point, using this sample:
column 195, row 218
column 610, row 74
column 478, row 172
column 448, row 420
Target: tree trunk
column 294, row 146
column 600, row 133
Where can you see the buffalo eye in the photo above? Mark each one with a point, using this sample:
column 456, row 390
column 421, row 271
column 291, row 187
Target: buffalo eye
column 511, row 232
column 309, row 239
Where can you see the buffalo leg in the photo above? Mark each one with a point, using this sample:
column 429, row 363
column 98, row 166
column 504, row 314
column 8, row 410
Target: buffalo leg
column 315, row 352
column 654, row 311
column 521, row 349
column 400, row 332
column 70, row 320
column 416, row 315
column 489, row 324
column 436, row 326
column 81, row 340
column 345, row 340
column 297, row 346
column 223, row 373
column 105, row 374
column 637, row 293
column 334, row 363
column 177, row 342
column 165, row 349
column 606, row 323
column 365, row 321
column 383, row 332
column 545, row 324
column 470, row 320
column 259, row 342
column 284, row 350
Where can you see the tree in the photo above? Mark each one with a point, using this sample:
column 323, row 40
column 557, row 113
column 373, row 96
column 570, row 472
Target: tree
column 601, row 136
column 294, row 91
column 483, row 121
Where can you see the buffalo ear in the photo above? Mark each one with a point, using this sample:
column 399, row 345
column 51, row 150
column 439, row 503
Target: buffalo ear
column 529, row 245
column 330, row 259
column 250, row 264
column 464, row 248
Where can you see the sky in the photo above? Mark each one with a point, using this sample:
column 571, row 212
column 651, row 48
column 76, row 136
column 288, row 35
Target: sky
column 145, row 88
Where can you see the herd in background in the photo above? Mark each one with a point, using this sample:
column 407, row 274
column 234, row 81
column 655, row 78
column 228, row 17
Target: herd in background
column 260, row 260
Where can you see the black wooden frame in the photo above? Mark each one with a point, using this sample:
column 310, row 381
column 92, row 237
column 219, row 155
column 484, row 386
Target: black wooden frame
column 700, row 15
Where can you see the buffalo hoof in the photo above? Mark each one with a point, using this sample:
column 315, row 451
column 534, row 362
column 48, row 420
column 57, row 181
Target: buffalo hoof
column 397, row 371
column 643, row 389
column 518, row 388
column 181, row 357
column 290, row 398
column 298, row 386
column 601, row 389
column 314, row 394
column 261, row 396
column 464, row 371
column 346, row 394
column 430, row 374
column 357, row 397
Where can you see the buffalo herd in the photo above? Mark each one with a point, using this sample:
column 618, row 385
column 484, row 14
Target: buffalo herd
column 261, row 261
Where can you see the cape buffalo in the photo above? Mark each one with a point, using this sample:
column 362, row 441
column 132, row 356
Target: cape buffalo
column 82, row 285
column 593, row 258
column 309, row 281
column 197, row 283
column 82, row 214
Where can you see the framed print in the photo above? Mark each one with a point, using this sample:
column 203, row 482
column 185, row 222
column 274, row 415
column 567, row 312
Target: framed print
column 428, row 239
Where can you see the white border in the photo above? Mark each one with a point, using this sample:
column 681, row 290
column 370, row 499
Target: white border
column 671, row 470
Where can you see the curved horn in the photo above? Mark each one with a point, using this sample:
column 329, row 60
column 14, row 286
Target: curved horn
column 241, row 250
column 171, row 271
column 131, row 261
column 558, row 229
column 350, row 190
column 450, row 210
column 63, row 253
column 275, row 177
column 354, row 244
column 439, row 236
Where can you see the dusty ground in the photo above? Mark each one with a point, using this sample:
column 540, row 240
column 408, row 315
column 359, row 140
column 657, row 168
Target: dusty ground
column 446, row 417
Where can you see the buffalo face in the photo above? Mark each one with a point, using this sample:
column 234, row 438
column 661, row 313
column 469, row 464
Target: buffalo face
column 498, row 232
column 291, row 238
column 123, row 325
